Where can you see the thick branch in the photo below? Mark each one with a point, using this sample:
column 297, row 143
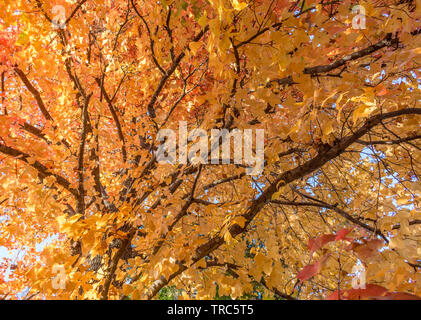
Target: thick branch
column 80, row 168
column 115, row 117
column 35, row 93
column 42, row 170
column 386, row 42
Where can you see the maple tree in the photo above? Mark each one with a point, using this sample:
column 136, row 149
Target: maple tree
column 87, row 84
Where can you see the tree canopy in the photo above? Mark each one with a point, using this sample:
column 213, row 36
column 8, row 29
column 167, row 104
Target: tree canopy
column 89, row 213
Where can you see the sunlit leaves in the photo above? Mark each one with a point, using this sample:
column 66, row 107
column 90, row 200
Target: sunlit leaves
column 298, row 70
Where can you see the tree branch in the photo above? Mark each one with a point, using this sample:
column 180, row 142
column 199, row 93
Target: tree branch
column 282, row 180
column 34, row 92
column 42, row 170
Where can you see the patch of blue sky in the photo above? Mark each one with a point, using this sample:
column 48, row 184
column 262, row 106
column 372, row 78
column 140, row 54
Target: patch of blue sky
column 393, row 177
column 258, row 186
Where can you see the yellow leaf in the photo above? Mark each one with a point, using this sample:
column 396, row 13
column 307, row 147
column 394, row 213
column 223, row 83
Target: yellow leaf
column 263, row 263
column 23, row 39
column 185, row 296
column 201, row 263
column 136, row 295
column 194, row 46
column 276, row 195
column 241, row 221
column 327, row 128
column 127, row 289
column 238, row 5
column 228, row 237
column 361, row 112
column 203, row 20
column 75, row 218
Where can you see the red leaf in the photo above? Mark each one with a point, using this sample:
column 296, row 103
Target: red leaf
column 367, row 249
column 311, row 270
column 341, row 234
column 401, row 296
column 372, row 292
column 317, row 243
column 381, row 90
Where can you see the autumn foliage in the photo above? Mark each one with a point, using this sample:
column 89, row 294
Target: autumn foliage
column 87, row 84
